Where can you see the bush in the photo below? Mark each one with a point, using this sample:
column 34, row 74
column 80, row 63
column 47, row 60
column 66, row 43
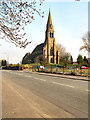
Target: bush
column 12, row 67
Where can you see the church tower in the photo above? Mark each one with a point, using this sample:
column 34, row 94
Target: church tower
column 50, row 50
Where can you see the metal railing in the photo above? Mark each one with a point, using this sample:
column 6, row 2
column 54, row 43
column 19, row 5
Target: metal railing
column 65, row 70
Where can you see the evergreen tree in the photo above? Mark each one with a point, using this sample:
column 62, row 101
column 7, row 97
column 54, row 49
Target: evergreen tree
column 85, row 61
column 71, row 60
column 80, row 59
column 3, row 63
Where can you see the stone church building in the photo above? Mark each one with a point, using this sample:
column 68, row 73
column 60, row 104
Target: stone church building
column 48, row 50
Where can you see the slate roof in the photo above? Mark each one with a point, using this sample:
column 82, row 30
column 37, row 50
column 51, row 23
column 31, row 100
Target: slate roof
column 38, row 48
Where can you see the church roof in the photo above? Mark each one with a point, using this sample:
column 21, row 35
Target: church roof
column 38, row 48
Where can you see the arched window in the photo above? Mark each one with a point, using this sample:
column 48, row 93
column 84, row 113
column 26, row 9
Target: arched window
column 51, row 60
column 57, row 57
column 51, row 51
column 50, row 34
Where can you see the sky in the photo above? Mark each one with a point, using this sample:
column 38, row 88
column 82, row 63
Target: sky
column 70, row 21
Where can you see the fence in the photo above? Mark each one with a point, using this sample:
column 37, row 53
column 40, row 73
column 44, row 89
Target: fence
column 56, row 69
column 67, row 70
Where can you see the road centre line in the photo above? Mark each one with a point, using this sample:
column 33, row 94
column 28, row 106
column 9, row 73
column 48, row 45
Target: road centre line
column 36, row 78
column 28, row 76
column 22, row 75
column 48, row 81
column 63, row 84
column 40, row 79
column 70, row 86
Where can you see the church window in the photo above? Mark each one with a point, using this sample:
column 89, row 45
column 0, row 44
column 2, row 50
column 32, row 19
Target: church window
column 51, row 60
column 50, row 34
column 57, row 57
column 51, row 51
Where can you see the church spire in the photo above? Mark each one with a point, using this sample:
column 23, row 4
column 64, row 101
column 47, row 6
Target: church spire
column 49, row 18
column 49, row 22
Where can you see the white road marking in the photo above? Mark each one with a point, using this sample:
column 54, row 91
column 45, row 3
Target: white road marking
column 63, row 84
column 27, row 76
column 36, row 78
column 40, row 79
column 22, row 74
column 49, row 81
column 70, row 86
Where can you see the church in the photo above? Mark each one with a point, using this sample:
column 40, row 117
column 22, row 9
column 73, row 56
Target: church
column 46, row 51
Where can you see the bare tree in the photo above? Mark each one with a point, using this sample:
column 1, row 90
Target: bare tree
column 86, row 42
column 62, row 50
column 65, row 57
column 14, row 15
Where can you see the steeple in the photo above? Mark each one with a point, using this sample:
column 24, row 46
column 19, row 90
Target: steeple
column 49, row 35
column 49, row 22
column 50, row 50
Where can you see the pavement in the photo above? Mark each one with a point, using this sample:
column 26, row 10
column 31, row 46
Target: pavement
column 63, row 76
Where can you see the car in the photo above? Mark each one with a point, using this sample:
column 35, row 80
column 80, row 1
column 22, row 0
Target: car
column 42, row 67
column 84, row 67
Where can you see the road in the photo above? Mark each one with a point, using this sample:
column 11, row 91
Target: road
column 30, row 95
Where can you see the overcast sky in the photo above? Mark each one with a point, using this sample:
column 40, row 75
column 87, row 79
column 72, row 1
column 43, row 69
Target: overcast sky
column 70, row 21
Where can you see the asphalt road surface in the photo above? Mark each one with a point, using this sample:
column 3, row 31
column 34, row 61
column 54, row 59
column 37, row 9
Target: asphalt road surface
column 30, row 95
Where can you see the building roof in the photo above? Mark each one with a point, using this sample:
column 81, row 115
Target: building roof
column 38, row 48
